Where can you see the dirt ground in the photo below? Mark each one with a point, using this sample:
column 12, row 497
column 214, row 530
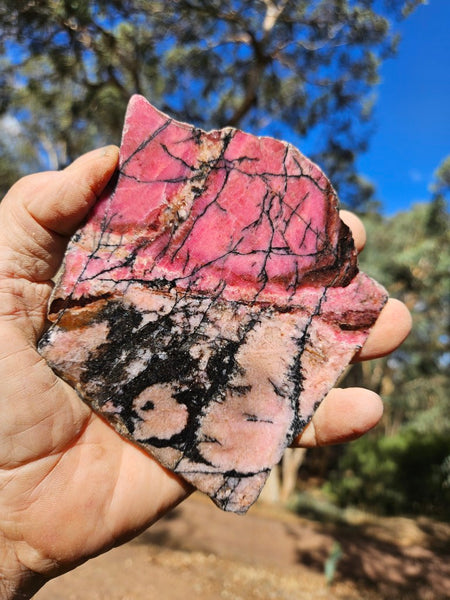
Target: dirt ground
column 200, row 552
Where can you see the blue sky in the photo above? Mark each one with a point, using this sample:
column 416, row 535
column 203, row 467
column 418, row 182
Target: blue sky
column 412, row 115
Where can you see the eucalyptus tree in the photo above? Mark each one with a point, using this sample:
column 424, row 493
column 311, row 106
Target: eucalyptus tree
column 304, row 70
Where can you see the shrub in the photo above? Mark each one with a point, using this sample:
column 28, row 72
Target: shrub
column 403, row 473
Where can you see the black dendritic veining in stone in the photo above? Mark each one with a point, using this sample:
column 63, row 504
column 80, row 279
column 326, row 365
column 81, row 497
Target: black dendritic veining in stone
column 185, row 348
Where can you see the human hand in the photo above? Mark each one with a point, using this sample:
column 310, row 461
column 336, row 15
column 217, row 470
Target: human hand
column 70, row 487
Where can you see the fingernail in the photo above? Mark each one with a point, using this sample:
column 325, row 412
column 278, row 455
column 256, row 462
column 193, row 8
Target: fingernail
column 110, row 150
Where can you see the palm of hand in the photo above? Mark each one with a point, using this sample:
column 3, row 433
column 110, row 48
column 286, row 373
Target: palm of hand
column 70, row 487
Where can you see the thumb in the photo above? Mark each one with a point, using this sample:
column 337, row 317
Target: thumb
column 74, row 191
column 41, row 210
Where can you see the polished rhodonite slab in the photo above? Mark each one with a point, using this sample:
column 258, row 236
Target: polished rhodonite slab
column 210, row 301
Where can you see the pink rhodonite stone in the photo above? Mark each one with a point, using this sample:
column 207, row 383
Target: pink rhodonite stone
column 210, row 301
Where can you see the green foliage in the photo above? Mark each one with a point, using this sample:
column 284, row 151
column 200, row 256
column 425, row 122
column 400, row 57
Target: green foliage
column 405, row 473
column 404, row 466
column 290, row 68
column 441, row 185
column 8, row 174
column 437, row 221
column 409, row 253
column 332, row 562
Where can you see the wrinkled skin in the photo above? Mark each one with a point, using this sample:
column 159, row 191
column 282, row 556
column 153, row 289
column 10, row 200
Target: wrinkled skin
column 70, row 487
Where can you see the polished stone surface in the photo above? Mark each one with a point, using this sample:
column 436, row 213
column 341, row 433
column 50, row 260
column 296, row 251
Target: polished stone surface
column 210, row 301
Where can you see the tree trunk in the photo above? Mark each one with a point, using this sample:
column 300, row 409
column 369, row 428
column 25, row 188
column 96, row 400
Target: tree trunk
column 282, row 480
